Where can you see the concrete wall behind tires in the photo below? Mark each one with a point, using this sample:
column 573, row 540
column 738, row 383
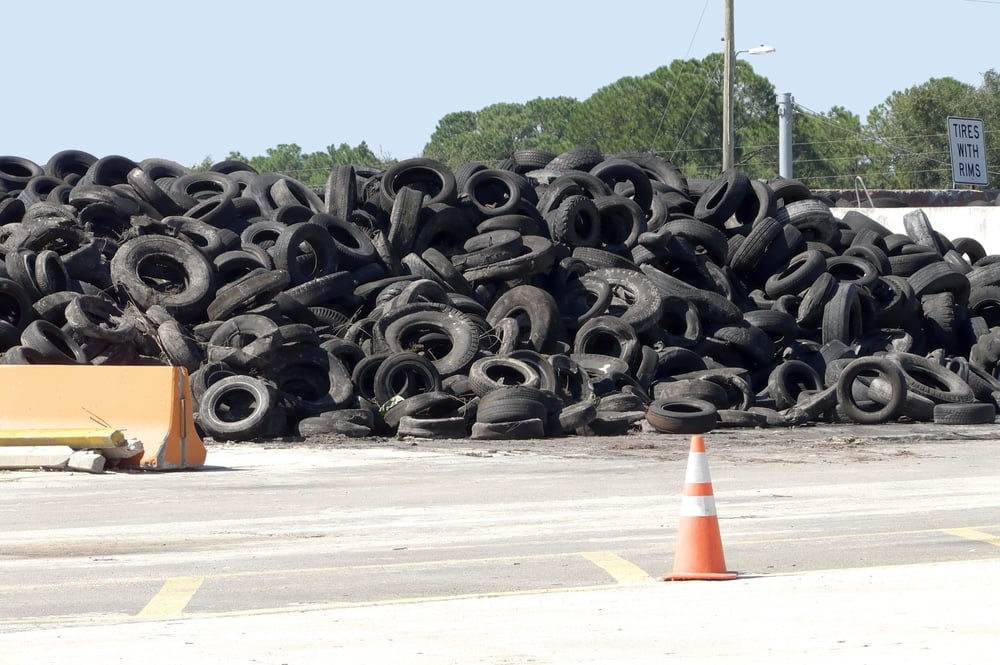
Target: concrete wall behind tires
column 979, row 222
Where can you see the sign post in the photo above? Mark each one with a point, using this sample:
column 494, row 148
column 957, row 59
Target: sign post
column 967, row 143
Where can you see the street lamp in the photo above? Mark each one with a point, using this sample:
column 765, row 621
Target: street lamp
column 729, row 59
column 757, row 50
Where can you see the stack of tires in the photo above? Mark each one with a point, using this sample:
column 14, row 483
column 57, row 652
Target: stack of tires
column 546, row 295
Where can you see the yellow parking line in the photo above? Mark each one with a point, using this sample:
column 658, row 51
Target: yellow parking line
column 624, row 572
column 173, row 597
column 973, row 534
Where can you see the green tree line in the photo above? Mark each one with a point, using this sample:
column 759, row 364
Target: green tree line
column 676, row 112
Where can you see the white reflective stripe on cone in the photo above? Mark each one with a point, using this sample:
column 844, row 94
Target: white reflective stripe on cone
column 698, row 506
column 697, row 469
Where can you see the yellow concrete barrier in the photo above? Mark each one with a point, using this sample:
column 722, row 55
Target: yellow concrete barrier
column 76, row 438
column 150, row 403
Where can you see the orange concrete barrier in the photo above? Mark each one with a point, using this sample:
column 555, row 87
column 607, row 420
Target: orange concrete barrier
column 699, row 553
column 150, row 403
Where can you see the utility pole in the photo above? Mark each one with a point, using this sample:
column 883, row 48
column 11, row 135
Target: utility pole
column 785, row 102
column 729, row 58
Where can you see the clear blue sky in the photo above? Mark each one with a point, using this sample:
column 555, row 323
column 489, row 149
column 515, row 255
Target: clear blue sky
column 184, row 80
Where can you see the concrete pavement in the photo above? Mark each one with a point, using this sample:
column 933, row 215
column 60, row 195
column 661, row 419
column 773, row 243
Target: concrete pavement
column 461, row 555
column 937, row 613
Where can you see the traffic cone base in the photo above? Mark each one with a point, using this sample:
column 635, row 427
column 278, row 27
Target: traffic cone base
column 699, row 553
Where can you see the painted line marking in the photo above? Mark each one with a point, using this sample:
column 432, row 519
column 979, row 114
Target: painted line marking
column 172, row 598
column 108, row 619
column 731, row 540
column 974, row 534
column 624, row 572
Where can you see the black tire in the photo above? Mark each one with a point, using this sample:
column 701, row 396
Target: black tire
column 69, row 165
column 446, row 271
column 712, row 307
column 930, row 379
column 918, row 228
column 735, row 418
column 335, row 287
column 622, row 222
column 179, row 346
column 970, row 248
column 540, row 312
column 722, row 197
column 203, row 377
column 572, row 417
column 322, row 425
column 263, row 233
column 449, row 427
column 616, row 171
column 494, row 192
column 404, row 374
column 530, row 160
column 97, row 317
column 341, row 195
column 236, row 264
column 305, row 251
column 575, row 223
column 520, row 430
column 52, row 344
column 973, row 413
column 852, row 270
column 313, row 379
column 236, row 408
column 576, row 159
column 157, row 270
column 787, row 190
column 658, row 169
column 511, row 403
column 895, row 304
column 50, row 272
column 938, row 277
column 20, row 267
column 434, row 404
column 812, row 217
column 15, row 304
column 710, row 239
column 410, row 326
column 842, row 315
column 582, row 299
column 682, row 415
column 495, row 372
column 609, row 336
column 885, row 370
column 789, row 379
column 354, row 245
column 488, row 248
column 703, row 389
column 258, row 286
column 434, row 181
column 635, row 298
column 751, row 250
column 802, row 272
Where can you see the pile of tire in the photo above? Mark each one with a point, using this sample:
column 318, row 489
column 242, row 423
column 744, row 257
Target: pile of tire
column 547, row 295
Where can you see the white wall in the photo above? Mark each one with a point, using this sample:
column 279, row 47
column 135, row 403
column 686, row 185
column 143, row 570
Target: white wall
column 979, row 222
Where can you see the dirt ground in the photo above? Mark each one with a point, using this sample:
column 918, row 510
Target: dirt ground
column 817, row 443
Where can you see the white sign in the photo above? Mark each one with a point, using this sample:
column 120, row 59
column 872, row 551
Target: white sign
column 967, row 142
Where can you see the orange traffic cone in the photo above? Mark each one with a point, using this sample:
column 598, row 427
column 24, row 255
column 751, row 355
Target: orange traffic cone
column 699, row 545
